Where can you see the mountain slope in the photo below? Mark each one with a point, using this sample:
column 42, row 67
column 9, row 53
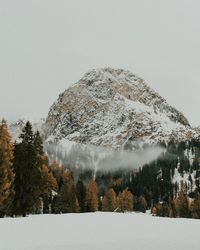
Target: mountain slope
column 111, row 108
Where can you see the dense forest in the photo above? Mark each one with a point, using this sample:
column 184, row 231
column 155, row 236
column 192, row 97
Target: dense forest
column 31, row 184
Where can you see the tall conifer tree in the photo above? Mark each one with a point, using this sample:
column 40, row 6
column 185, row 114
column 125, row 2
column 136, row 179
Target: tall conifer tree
column 109, row 202
column 125, row 200
column 66, row 200
column 28, row 174
column 91, row 197
column 6, row 169
column 80, row 193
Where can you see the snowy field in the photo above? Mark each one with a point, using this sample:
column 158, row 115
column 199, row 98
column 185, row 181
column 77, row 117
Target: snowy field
column 99, row 231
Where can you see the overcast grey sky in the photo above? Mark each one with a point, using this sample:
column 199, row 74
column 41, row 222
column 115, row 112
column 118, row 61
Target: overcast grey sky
column 46, row 45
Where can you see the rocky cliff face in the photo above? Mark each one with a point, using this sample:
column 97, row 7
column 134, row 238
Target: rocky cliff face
column 112, row 107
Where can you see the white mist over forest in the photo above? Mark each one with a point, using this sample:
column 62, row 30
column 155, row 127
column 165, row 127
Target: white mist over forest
column 84, row 157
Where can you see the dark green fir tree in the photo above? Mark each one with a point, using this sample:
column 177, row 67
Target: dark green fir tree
column 27, row 154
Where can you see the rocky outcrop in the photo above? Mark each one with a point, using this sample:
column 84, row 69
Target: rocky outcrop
column 111, row 107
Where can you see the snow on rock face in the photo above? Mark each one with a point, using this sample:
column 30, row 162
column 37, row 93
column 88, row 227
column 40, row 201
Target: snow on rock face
column 110, row 107
column 15, row 128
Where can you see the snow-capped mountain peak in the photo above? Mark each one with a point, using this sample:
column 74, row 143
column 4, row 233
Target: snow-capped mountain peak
column 110, row 107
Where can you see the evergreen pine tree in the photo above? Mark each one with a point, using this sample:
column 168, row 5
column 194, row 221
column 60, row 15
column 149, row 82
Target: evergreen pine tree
column 38, row 144
column 27, row 183
column 142, row 204
column 80, row 194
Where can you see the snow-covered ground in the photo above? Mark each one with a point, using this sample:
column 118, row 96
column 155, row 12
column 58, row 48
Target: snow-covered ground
column 99, row 231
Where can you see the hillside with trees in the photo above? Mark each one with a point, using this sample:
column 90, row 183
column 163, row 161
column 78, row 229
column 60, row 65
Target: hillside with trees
column 31, row 184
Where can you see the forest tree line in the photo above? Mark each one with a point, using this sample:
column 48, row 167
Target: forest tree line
column 30, row 184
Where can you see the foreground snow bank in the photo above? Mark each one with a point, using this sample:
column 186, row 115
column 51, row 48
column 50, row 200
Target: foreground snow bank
column 97, row 231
